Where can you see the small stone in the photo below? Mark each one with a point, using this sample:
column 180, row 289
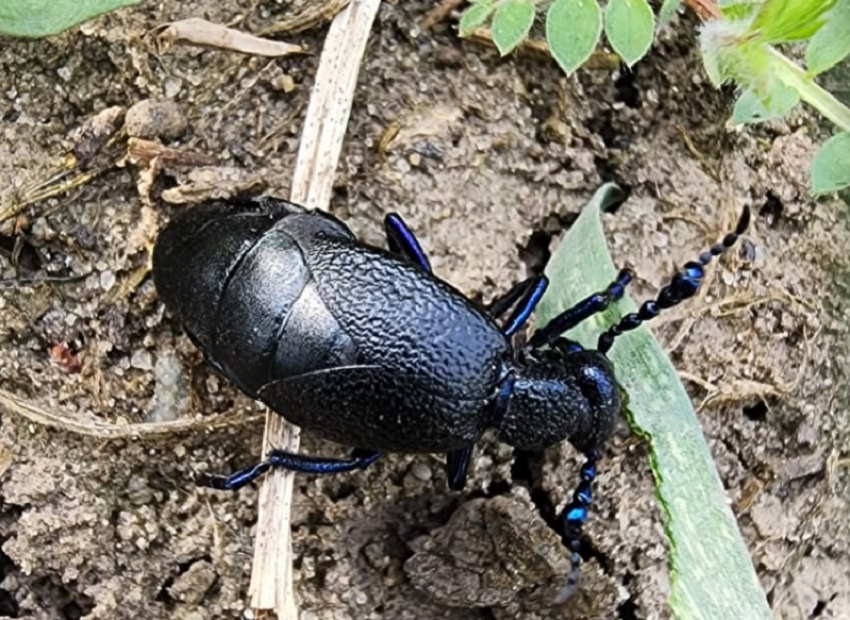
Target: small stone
column 155, row 119
column 107, row 280
column 421, row 471
column 767, row 515
column 284, row 83
column 173, row 87
column 191, row 586
column 141, row 360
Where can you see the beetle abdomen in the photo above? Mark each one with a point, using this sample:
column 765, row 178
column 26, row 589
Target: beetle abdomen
column 311, row 338
column 406, row 320
column 259, row 295
column 235, row 276
column 195, row 254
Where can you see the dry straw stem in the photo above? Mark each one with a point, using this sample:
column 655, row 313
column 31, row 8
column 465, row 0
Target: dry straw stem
column 271, row 587
column 92, row 426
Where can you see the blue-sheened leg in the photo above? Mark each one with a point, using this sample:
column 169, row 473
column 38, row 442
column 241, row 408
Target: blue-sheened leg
column 278, row 459
column 500, row 305
column 525, row 306
column 401, row 240
column 582, row 310
column 457, row 462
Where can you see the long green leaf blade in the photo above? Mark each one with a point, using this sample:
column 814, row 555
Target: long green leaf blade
column 41, row 18
column 572, row 30
column 712, row 576
column 782, row 21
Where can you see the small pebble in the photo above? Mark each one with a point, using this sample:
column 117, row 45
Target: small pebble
column 283, row 83
column 155, row 119
column 421, row 471
column 141, row 359
column 107, row 280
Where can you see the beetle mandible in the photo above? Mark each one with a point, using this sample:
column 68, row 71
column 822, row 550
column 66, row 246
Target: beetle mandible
column 367, row 348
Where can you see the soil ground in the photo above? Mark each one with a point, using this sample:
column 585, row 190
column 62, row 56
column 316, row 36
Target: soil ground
column 494, row 157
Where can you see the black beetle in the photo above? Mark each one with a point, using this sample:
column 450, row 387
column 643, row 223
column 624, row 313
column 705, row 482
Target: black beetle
column 365, row 347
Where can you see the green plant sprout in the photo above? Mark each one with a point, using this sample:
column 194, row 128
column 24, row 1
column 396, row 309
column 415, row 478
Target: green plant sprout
column 738, row 47
column 573, row 27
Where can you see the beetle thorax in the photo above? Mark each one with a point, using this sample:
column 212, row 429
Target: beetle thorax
column 545, row 402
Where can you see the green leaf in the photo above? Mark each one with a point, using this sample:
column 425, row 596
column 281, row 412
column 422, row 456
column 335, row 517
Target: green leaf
column 629, row 26
column 572, row 31
column 831, row 165
column 667, row 9
column 475, row 16
column 783, row 21
column 831, row 44
column 512, row 23
column 736, row 10
column 705, row 544
column 752, row 108
column 41, row 18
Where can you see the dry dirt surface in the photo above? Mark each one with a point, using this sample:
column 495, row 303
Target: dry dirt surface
column 491, row 160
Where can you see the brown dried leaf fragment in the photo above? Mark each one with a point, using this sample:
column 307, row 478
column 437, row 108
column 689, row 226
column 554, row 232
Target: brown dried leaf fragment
column 203, row 33
column 212, row 183
column 312, row 14
column 142, row 153
column 89, row 138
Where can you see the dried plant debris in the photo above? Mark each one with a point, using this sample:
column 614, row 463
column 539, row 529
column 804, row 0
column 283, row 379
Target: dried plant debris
column 203, row 33
column 311, row 14
column 212, row 182
column 88, row 139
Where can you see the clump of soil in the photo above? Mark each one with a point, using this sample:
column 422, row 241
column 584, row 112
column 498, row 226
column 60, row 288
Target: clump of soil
column 493, row 158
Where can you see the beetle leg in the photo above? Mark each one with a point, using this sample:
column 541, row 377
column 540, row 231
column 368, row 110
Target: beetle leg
column 457, row 462
column 402, row 241
column 525, row 306
column 278, row 459
column 503, row 303
column 584, row 309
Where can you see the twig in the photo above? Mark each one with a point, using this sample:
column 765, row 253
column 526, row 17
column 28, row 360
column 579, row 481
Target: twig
column 312, row 15
column 599, row 60
column 312, row 185
column 94, row 427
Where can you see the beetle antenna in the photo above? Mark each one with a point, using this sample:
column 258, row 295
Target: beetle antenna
column 684, row 285
column 574, row 517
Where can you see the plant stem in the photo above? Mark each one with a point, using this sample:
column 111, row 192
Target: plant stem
column 820, row 99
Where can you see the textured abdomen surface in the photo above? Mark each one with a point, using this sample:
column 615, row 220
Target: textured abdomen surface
column 404, row 319
column 350, row 341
